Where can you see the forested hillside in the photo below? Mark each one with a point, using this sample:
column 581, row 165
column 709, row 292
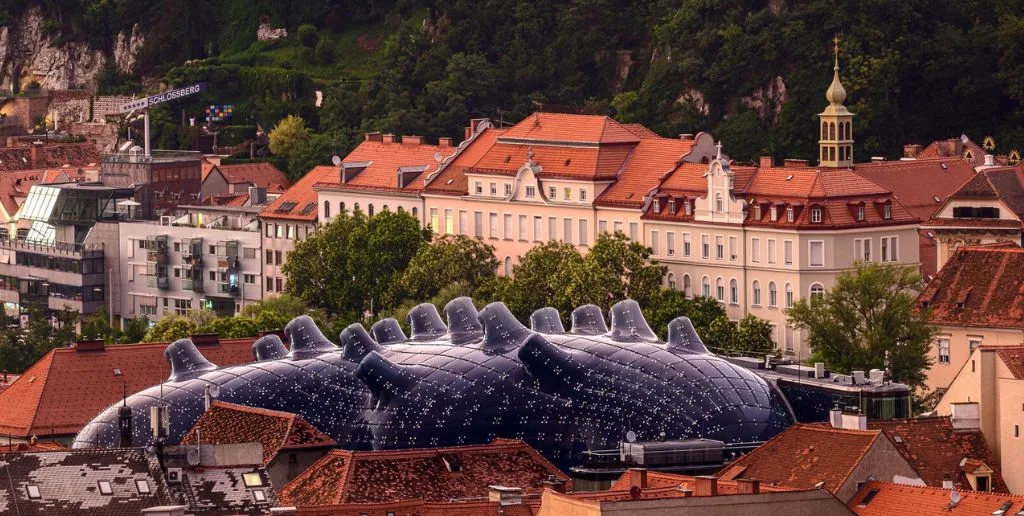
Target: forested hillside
column 753, row 73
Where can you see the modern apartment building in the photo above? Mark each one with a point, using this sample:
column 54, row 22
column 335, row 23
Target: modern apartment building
column 208, row 258
column 162, row 181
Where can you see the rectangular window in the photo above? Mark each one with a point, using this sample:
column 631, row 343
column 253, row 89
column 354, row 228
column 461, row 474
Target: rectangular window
column 508, row 189
column 633, row 230
column 705, row 247
column 755, row 250
column 817, row 252
column 602, row 226
column 278, row 283
column 654, row 242
column 686, row 244
column 270, row 230
column 507, row 230
column 249, row 278
column 434, row 223
column 478, row 224
column 478, row 188
column 719, row 247
column 279, row 231
column 463, row 222
column 290, row 232
column 567, row 194
column 771, row 250
column 787, row 252
column 617, row 226
column 531, row 191
column 583, row 195
column 449, row 224
column 973, row 342
column 862, row 249
column 538, row 228
column 732, row 248
column 492, row 222
column 567, row 223
column 494, row 189
column 584, row 232
column 270, row 257
column 942, row 343
column 523, row 229
column 890, row 249
column 277, row 258
column 552, row 228
column 789, row 338
column 670, row 243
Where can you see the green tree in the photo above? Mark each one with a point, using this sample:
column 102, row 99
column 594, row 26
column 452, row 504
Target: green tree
column 379, row 250
column 315, row 150
column 318, row 268
column 289, row 134
column 539, row 280
column 170, row 328
column 308, row 35
column 447, row 260
column 754, row 337
column 867, row 317
column 134, row 330
column 616, row 268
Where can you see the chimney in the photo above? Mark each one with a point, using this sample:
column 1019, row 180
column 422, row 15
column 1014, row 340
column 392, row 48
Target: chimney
column 638, row 477
column 835, row 416
column 444, row 141
column 412, row 140
column 912, row 150
column 90, row 345
column 947, row 481
column 966, row 416
column 748, row 486
column 858, row 378
column 257, row 196
column 686, row 137
column 687, row 492
column 35, row 155
column 374, row 137
column 555, row 484
column 795, row 163
column 388, row 138
column 819, row 369
column 990, row 160
column 474, row 126
column 767, row 162
column 467, row 133
column 705, row 485
column 505, row 495
column 857, row 421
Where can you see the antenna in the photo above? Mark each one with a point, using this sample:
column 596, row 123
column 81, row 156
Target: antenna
column 631, row 436
column 336, row 160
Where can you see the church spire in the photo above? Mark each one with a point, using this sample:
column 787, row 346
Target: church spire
column 835, row 148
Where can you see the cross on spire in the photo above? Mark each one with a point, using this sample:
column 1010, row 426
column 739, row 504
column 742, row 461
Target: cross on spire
column 719, row 147
column 835, row 49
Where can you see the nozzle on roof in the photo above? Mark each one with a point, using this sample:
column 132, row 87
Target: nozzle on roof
column 426, row 323
column 553, row 367
column 546, row 320
column 356, row 343
column 387, row 331
column 588, row 320
column 501, row 329
column 186, row 361
column 383, row 378
column 682, row 336
column 306, row 339
column 463, row 321
column 628, row 323
column 268, row 347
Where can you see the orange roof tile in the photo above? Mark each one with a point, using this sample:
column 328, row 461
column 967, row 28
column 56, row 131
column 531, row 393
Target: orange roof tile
column 451, row 180
column 588, row 163
column 804, row 455
column 563, row 127
column 384, row 161
column 228, row 423
column 344, row 476
column 641, row 130
column 31, row 446
column 935, row 450
column 419, row 507
column 887, row 499
column 1013, row 357
column 49, row 156
column 66, row 388
column 979, row 286
column 261, row 174
column 300, row 196
column 916, row 184
column 651, row 160
column 658, row 479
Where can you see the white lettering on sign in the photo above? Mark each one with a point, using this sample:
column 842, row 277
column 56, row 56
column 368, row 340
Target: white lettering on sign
column 163, row 97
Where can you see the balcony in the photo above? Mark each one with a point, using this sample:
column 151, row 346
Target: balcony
column 156, row 249
column 156, row 156
column 160, row 282
column 70, row 250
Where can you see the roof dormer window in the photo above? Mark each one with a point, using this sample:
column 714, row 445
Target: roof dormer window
column 789, row 214
column 816, row 215
column 719, row 203
column 757, row 211
column 687, row 207
column 860, row 212
column 773, row 214
column 887, row 210
column 671, row 206
column 656, row 205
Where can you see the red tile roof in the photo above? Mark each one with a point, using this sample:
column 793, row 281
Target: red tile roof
column 979, row 286
column 954, row 148
column 229, row 199
column 641, row 130
column 451, row 180
column 49, row 156
column 14, row 185
column 384, row 161
column 651, row 160
column 228, row 423
column 419, row 507
column 1013, row 357
column 917, row 183
column 804, row 455
column 658, row 479
column 259, row 174
column 66, row 388
column 562, row 127
column 31, row 446
column 936, row 451
column 345, row 476
column 587, row 163
column 897, row 499
column 6, row 379
column 297, row 198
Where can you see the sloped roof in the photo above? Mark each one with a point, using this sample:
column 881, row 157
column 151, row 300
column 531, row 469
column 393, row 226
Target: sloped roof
column 916, row 184
column 980, row 286
column 659, row 479
column 887, row 499
column 804, row 455
column 419, row 507
column 261, row 174
column 228, row 423
column 954, row 148
column 641, row 130
column 650, row 160
column 935, row 450
column 50, row 156
column 66, row 388
column 384, row 161
column 563, row 127
column 1013, row 357
column 452, row 178
column 68, row 482
column 601, row 162
column 31, row 445
column 299, row 196
column 344, row 476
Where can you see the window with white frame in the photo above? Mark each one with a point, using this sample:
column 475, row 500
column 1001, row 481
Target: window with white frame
column 507, row 226
column 478, row 188
column 567, row 193
column 634, row 230
column 538, row 228
column 656, row 205
column 973, row 341
column 492, row 225
column 686, row 244
column 720, row 290
column 584, row 232
column 887, row 210
column 552, row 228
column 531, row 191
column 789, row 338
column 771, row 250
column 755, row 250
column 449, row 224
column 617, row 226
column 862, row 249
column 789, row 214
column 755, row 293
column 732, row 248
column 816, row 215
column 705, row 246
column 523, row 229
column 942, row 343
column 551, row 193
column 773, row 213
column 773, row 295
column 602, row 226
column 583, row 194
column 494, row 189
column 508, row 189
column 816, row 250
column 719, row 203
column 687, row 286
column 687, row 207
column 890, row 249
column 671, row 278
column 787, row 252
column 789, row 295
column 670, row 243
column 817, row 291
column 654, row 241
column 434, row 222
column 705, row 287
column 734, row 292
column 567, row 223
column 463, row 222
column 860, row 212
column 478, row 224
column 719, row 247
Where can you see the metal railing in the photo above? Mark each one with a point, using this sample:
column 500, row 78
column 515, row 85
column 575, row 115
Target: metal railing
column 65, row 248
column 156, row 156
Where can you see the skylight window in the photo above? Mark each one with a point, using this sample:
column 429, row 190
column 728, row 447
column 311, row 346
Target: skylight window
column 259, row 495
column 142, row 486
column 252, row 480
column 105, row 488
column 33, row 492
column 117, row 372
column 868, row 498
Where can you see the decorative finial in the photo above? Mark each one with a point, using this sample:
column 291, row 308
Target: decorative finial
column 835, row 42
column 719, row 147
column 529, row 154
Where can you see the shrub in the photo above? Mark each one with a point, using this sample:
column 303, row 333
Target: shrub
column 308, row 36
column 324, row 51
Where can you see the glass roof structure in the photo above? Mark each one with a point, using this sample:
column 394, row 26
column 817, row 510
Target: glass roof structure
column 478, row 376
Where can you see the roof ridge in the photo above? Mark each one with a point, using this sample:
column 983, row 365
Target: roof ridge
column 253, row 410
column 42, row 391
column 942, row 489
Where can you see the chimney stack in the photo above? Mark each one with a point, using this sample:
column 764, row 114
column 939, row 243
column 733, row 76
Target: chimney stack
column 686, row 137
column 748, row 486
column 947, row 481
column 638, row 477
column 911, row 151
column 706, row 485
column 990, row 160
column 444, row 141
column 966, row 416
column 412, row 140
column 389, row 138
column 373, row 137
column 767, row 162
column 835, row 416
column 853, row 421
column 35, row 155
column 555, row 484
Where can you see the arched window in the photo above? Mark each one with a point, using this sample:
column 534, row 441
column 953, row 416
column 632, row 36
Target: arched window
column 832, row 131
column 687, row 287
column 720, row 290
column 734, row 292
column 817, row 291
column 671, row 281
column 755, row 294
column 327, row 209
column 401, row 209
column 824, row 130
column 355, row 207
column 508, row 266
column 773, row 295
column 415, row 212
column 341, row 207
column 842, row 131
column 384, row 208
column 849, row 131
column 719, row 204
column 370, row 210
column 705, row 287
column 789, row 295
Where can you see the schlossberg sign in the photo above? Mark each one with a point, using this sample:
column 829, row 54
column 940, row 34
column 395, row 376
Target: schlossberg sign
column 166, row 96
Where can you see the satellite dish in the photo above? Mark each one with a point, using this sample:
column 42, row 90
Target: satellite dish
column 631, row 436
column 955, row 496
column 336, row 160
column 438, row 157
column 192, row 457
column 214, row 391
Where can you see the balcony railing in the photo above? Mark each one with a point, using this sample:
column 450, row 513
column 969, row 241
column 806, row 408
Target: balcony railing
column 63, row 248
column 156, row 156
